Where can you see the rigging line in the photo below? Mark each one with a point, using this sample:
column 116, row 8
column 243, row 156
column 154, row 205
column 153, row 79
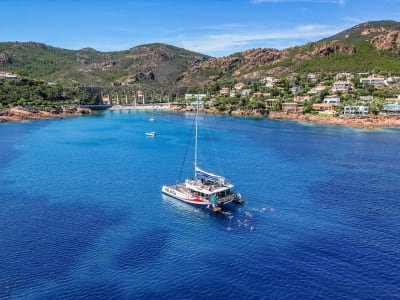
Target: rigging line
column 186, row 151
column 212, row 148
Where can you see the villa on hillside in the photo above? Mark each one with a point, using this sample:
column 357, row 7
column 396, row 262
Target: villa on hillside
column 302, row 99
column 246, row 92
column 317, row 89
column 392, row 105
column 346, row 75
column 366, row 99
column 391, row 108
column 393, row 100
column 356, row 110
column 324, row 108
column 239, row 86
column 291, row 107
column 373, row 80
column 343, row 86
column 225, row 91
column 334, row 100
column 195, row 96
column 312, row 77
column 269, row 103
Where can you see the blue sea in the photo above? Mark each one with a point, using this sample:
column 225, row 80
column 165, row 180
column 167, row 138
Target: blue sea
column 82, row 215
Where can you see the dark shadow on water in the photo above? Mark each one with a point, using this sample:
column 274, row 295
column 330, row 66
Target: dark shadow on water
column 10, row 135
column 89, row 290
column 144, row 248
column 43, row 241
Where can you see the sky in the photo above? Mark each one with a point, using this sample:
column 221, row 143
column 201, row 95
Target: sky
column 212, row 27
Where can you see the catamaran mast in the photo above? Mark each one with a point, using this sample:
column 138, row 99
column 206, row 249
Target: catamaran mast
column 195, row 143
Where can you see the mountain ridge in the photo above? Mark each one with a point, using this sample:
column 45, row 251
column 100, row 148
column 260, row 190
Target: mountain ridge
column 372, row 46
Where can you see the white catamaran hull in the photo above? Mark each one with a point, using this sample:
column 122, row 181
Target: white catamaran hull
column 172, row 192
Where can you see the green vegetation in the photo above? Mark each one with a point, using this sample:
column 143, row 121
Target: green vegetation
column 26, row 92
column 366, row 59
column 90, row 67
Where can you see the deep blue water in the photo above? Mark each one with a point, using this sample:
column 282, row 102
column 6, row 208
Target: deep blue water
column 82, row 215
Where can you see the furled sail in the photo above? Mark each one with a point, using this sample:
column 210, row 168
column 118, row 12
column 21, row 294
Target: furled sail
column 204, row 174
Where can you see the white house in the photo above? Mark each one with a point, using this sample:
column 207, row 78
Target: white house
column 295, row 89
column 195, row 96
column 246, row 92
column 343, row 86
column 302, row 99
column 373, row 80
column 312, row 77
column 356, row 110
column 343, row 75
column 194, row 103
column 334, row 100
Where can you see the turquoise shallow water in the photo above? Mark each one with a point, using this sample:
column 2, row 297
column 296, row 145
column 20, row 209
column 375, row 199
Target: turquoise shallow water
column 82, row 215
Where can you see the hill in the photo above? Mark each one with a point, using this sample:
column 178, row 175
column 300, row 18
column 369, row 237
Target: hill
column 367, row 47
column 152, row 64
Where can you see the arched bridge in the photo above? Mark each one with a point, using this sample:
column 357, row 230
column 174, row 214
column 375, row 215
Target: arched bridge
column 124, row 95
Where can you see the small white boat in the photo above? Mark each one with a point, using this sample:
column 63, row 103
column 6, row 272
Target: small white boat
column 152, row 133
column 152, row 119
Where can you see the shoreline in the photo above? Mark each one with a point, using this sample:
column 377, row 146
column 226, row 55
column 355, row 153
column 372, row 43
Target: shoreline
column 365, row 122
column 17, row 114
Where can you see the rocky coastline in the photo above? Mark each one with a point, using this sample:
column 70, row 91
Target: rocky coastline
column 369, row 122
column 365, row 122
column 16, row 114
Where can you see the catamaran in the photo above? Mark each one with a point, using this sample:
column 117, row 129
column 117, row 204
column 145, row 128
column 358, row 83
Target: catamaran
column 205, row 189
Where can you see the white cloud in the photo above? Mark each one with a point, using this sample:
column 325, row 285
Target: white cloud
column 228, row 43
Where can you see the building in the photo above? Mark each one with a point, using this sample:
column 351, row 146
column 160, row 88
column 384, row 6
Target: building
column 393, row 100
column 312, row 77
column 269, row 103
column 391, row 108
column 239, row 85
column 324, row 108
column 195, row 103
column 225, row 91
column 269, row 81
column 302, row 99
column 366, row 99
column 373, row 80
column 346, row 75
column 195, row 96
column 291, row 107
column 356, row 110
column 8, row 76
column 295, row 89
column 317, row 89
column 334, row 100
column 246, row 92
column 342, row 86
column 392, row 80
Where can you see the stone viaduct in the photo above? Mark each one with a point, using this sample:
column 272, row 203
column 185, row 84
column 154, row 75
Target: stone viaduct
column 124, row 95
